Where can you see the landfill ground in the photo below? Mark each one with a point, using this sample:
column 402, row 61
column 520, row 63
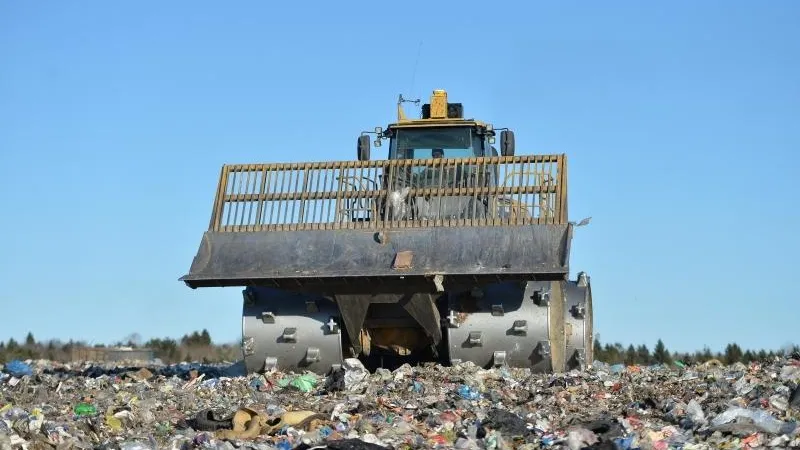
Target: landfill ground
column 48, row 405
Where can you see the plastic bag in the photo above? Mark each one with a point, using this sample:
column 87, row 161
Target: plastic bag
column 695, row 412
column 304, row 383
column 762, row 419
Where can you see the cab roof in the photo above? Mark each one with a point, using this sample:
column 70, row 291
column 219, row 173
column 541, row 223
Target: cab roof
column 438, row 113
column 422, row 123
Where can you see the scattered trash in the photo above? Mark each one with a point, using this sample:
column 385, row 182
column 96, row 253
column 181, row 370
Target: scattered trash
column 794, row 399
column 46, row 404
column 355, row 375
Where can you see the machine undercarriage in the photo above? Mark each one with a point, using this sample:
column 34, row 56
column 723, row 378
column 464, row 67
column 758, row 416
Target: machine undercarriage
column 544, row 325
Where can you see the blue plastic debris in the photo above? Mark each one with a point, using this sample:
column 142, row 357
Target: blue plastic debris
column 256, row 383
column 617, row 368
column 468, row 393
column 624, row 443
column 18, row 369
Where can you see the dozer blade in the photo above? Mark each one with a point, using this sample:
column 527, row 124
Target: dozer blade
column 292, row 225
column 306, row 258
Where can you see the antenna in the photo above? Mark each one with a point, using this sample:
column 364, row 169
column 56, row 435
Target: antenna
column 400, row 100
column 414, row 73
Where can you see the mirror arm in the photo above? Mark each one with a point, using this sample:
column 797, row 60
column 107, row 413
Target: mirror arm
column 379, row 135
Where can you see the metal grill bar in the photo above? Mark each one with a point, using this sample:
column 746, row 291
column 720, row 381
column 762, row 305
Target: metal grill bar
column 391, row 194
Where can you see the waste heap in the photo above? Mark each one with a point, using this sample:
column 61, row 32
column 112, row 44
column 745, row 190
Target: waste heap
column 48, row 405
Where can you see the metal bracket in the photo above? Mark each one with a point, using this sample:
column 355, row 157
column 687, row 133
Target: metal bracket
column 541, row 297
column 579, row 311
column 544, row 348
column 499, row 358
column 403, row 260
column 333, row 327
column 289, row 334
column 451, row 319
column 268, row 317
column 475, row 338
column 270, row 363
column 497, row 310
column 312, row 355
column 583, row 279
column 520, row 327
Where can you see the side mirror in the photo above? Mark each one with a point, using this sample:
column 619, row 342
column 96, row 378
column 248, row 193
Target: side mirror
column 363, row 147
column 507, row 143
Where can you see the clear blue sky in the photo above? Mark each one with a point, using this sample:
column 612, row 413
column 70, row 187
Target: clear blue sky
column 681, row 121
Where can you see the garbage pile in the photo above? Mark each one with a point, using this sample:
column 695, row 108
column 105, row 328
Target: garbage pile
column 48, row 405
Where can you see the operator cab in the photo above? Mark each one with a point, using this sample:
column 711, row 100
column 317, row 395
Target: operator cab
column 443, row 142
column 443, row 127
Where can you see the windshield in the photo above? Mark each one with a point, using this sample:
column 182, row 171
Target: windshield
column 425, row 143
column 420, row 143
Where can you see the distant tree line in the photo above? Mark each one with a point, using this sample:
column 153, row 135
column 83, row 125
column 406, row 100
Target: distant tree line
column 641, row 355
column 196, row 346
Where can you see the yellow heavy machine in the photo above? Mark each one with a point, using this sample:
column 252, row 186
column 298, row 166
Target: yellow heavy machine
column 445, row 251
